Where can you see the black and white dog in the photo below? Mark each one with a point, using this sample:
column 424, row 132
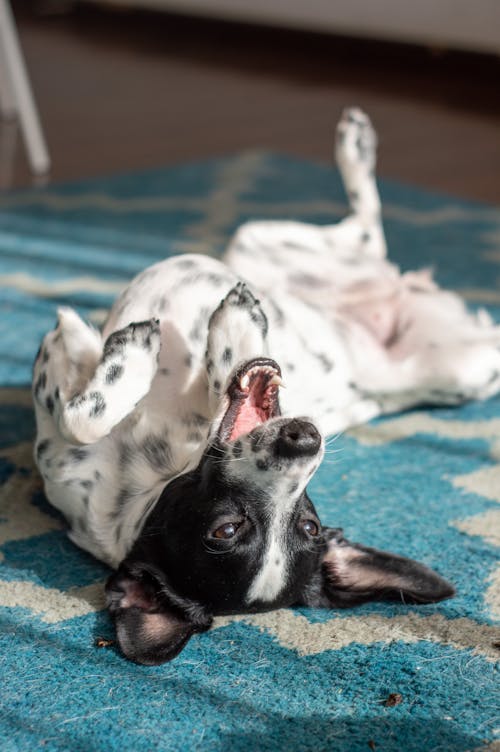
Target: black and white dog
column 164, row 443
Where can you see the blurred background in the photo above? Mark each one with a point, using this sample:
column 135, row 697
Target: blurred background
column 123, row 86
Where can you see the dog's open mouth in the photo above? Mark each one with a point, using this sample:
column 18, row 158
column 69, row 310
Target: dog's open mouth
column 253, row 398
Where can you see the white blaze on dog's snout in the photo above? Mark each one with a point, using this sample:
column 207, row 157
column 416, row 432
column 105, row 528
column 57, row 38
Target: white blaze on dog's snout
column 270, row 580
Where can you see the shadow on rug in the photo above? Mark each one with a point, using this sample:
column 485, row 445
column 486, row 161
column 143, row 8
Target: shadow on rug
column 426, row 484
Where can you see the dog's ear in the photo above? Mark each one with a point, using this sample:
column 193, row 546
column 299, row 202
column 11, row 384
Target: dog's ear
column 152, row 623
column 353, row 574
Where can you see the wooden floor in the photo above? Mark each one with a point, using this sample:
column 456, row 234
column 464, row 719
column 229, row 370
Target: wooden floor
column 121, row 91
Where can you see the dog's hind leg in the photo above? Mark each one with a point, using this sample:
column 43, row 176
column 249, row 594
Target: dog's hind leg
column 355, row 152
column 88, row 386
column 237, row 333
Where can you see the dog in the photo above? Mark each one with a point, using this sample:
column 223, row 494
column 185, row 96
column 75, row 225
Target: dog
column 176, row 457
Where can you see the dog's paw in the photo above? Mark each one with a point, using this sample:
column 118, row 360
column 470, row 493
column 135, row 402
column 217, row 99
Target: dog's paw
column 144, row 335
column 356, row 141
column 240, row 300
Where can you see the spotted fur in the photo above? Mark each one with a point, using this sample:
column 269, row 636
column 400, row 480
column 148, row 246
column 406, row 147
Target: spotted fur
column 129, row 419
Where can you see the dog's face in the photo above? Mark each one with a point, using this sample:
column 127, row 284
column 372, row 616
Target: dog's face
column 240, row 534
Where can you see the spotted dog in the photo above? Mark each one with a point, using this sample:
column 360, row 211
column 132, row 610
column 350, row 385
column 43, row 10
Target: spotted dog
column 168, row 445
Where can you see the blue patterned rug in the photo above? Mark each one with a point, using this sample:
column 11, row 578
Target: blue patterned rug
column 380, row 677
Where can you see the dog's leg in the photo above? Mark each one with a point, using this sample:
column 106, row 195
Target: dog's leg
column 87, row 386
column 236, row 333
column 355, row 152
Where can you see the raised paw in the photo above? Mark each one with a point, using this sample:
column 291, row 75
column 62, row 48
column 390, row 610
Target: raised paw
column 242, row 299
column 236, row 333
column 143, row 334
column 356, row 141
column 122, row 378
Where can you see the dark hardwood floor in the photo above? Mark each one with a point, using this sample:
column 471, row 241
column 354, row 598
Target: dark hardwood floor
column 121, row 91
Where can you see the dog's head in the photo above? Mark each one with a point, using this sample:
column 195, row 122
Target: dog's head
column 240, row 534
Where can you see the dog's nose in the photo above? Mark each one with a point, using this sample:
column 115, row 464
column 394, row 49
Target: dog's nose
column 298, row 438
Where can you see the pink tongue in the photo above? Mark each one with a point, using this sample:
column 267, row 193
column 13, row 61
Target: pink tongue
column 248, row 417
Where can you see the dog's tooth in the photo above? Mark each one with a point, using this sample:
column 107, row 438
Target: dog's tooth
column 245, row 381
column 276, row 380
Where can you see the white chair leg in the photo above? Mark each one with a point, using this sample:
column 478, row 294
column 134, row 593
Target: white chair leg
column 15, row 76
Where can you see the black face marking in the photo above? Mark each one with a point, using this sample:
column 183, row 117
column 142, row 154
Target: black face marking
column 57, row 393
column 86, row 484
column 78, row 454
column 217, row 385
column 97, row 475
column 237, row 448
column 164, row 371
column 99, row 405
column 46, row 356
column 210, row 366
column 365, row 237
column 227, row 356
column 42, row 448
column 293, row 488
column 49, row 404
column 113, row 373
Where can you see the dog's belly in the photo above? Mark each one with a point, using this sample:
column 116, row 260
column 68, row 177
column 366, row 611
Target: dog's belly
column 183, row 292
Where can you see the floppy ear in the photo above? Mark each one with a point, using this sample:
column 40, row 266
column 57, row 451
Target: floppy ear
column 353, row 574
column 152, row 623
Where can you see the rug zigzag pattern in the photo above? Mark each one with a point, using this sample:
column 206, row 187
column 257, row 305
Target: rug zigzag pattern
column 424, row 483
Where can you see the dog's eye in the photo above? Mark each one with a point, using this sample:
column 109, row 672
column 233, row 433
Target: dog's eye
column 228, row 530
column 310, row 527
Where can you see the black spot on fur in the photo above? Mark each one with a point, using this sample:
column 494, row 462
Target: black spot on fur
column 262, row 464
column 293, row 488
column 325, row 362
column 227, row 355
column 77, row 401
column 97, row 475
column 217, row 385
column 255, row 443
column 113, row 373
column 156, row 452
column 187, row 263
column 237, row 448
column 49, row 404
column 41, row 382
column 86, row 484
column 46, row 356
column 57, row 394
column 126, row 455
column 290, row 367
column 210, row 366
column 188, row 360
column 42, row 448
column 78, row 454
column 365, row 237
column 164, row 371
column 99, row 405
